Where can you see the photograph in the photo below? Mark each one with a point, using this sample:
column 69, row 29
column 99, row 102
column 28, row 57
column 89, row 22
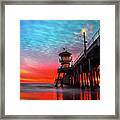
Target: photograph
column 59, row 59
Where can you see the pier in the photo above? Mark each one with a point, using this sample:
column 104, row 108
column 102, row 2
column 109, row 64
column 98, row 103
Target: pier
column 85, row 72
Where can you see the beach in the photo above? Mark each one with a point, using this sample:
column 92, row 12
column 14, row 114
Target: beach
column 45, row 91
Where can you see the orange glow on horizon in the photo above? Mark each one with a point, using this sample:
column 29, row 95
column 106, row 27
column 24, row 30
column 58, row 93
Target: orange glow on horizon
column 44, row 74
column 24, row 71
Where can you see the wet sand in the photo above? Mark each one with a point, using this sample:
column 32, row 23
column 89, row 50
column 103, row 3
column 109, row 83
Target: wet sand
column 36, row 91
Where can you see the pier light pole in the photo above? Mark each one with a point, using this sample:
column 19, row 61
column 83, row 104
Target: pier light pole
column 84, row 30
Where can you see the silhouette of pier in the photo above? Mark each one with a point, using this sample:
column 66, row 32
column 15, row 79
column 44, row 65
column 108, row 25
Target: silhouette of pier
column 85, row 72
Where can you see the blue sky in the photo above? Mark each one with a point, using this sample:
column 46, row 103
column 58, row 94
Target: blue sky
column 42, row 40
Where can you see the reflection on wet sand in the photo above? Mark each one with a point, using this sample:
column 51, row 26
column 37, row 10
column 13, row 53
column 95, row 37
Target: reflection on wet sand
column 49, row 92
column 78, row 94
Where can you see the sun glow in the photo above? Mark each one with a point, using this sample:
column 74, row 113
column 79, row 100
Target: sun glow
column 23, row 71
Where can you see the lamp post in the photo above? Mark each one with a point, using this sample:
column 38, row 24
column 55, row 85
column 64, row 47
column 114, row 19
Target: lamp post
column 84, row 30
column 78, row 35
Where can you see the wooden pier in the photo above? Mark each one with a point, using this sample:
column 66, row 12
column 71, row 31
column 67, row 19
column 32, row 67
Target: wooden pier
column 85, row 72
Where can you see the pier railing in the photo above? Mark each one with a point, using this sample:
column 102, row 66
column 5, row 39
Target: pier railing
column 95, row 36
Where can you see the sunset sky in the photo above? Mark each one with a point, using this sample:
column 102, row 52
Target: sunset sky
column 42, row 40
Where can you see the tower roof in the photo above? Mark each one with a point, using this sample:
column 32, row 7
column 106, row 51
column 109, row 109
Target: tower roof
column 65, row 54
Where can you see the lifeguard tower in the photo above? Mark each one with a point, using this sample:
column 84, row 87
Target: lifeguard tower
column 65, row 59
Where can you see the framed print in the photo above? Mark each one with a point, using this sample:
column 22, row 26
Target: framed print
column 59, row 59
